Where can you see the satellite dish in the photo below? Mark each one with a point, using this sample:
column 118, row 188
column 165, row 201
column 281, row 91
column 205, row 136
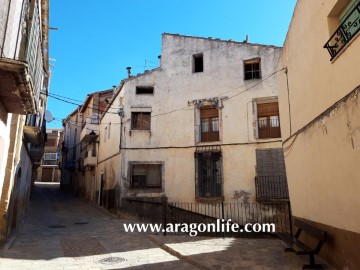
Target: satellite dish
column 48, row 116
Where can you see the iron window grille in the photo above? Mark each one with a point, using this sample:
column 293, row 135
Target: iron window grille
column 349, row 27
column 208, row 175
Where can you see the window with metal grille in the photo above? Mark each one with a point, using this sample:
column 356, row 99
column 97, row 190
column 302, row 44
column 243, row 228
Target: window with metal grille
column 140, row 120
column 268, row 120
column 252, row 69
column 209, row 126
column 345, row 16
column 198, row 63
column 209, row 176
column 146, row 176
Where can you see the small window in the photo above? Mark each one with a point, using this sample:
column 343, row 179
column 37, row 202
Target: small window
column 140, row 120
column 144, row 90
column 198, row 65
column 209, row 124
column 105, row 134
column 252, row 69
column 109, row 130
column 146, row 175
column 268, row 120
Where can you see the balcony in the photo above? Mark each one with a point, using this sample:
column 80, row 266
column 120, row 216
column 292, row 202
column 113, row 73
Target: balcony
column 268, row 127
column 36, row 151
column 269, row 188
column 90, row 124
column 50, row 159
column 90, row 159
column 33, row 132
column 344, row 33
column 22, row 53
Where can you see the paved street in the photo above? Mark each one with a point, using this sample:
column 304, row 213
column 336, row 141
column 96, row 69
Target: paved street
column 61, row 231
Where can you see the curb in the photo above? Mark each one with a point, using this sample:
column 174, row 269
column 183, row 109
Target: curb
column 177, row 254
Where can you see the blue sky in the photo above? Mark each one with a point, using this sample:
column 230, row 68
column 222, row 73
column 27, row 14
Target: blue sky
column 97, row 40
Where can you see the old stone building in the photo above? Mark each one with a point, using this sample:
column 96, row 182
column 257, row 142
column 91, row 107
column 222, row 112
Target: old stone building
column 320, row 122
column 24, row 78
column 81, row 129
column 200, row 128
column 49, row 171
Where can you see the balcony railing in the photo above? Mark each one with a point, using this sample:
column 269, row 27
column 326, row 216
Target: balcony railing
column 268, row 128
column 271, row 188
column 345, row 32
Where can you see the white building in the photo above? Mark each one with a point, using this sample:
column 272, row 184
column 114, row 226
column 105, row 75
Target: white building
column 200, row 127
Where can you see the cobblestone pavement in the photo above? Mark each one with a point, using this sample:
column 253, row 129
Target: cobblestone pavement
column 61, row 231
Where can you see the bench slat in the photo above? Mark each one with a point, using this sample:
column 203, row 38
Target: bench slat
column 308, row 228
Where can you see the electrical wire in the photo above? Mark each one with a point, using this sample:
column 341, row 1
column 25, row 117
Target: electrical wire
column 186, row 107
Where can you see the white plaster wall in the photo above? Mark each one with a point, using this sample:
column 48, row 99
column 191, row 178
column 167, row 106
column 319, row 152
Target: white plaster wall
column 173, row 123
column 4, row 146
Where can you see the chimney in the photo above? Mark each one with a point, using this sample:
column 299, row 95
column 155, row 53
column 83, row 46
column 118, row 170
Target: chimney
column 129, row 71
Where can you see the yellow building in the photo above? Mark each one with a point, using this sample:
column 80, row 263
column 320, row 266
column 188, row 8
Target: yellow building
column 320, row 122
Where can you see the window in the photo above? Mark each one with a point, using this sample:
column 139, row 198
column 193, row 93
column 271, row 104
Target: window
column 109, row 130
column 146, row 175
column 105, row 133
column 144, row 90
column 198, row 63
column 343, row 25
column 268, row 120
column 140, row 120
column 209, row 125
column 208, row 168
column 252, row 69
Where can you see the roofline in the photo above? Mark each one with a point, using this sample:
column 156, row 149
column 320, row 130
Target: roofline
column 141, row 74
column 89, row 97
column 72, row 113
column 118, row 90
column 222, row 40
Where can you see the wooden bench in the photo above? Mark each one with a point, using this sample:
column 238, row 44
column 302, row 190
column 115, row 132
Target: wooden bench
column 295, row 245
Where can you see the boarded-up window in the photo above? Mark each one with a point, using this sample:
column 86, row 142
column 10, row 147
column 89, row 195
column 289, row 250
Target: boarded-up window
column 268, row 120
column 270, row 162
column 146, row 176
column 209, row 117
column 140, row 120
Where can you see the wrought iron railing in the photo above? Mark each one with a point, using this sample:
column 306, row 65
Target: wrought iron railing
column 161, row 211
column 344, row 33
column 271, row 188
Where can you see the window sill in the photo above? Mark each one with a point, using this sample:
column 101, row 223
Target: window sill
column 268, row 139
column 209, row 143
column 139, row 131
column 209, row 199
column 146, row 190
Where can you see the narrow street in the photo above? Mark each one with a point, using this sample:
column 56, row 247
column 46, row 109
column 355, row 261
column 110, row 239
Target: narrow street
column 61, row 231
